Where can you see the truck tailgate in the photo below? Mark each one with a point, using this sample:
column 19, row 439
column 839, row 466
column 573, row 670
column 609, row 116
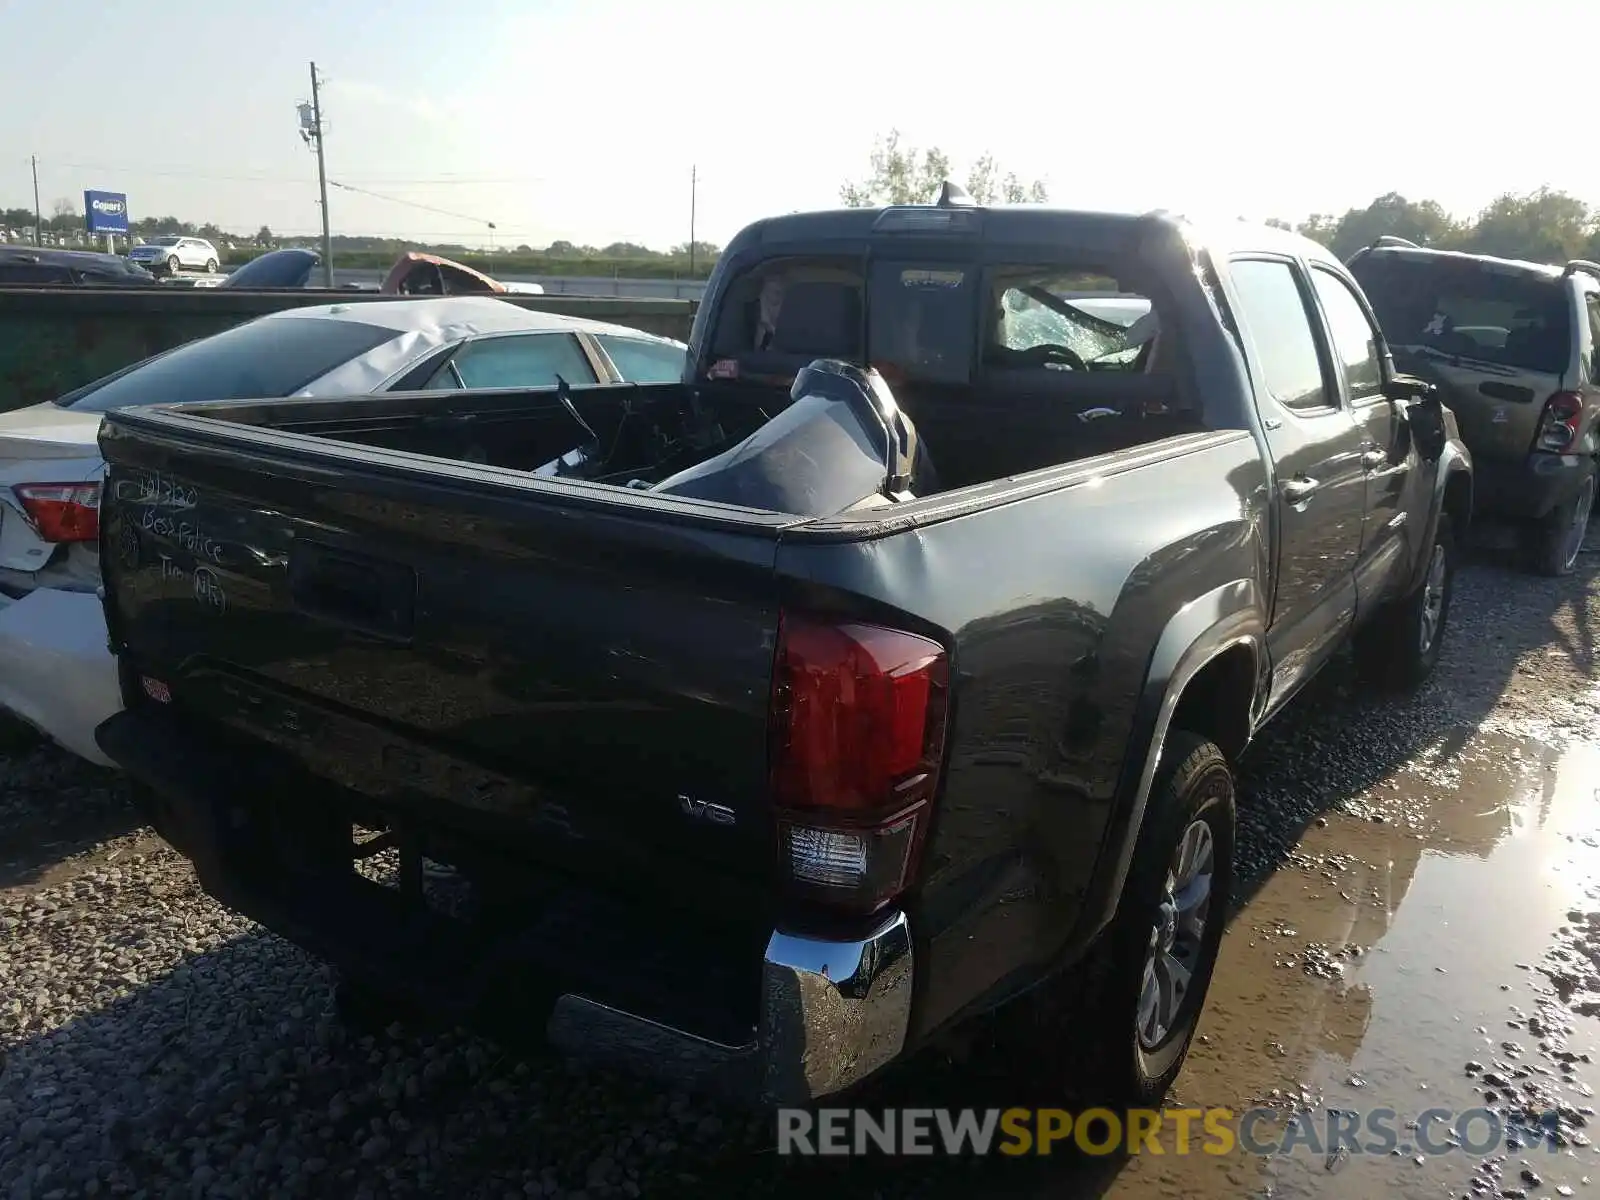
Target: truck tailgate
column 588, row 682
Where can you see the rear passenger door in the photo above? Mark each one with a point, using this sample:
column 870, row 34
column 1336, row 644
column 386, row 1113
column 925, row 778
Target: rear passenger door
column 1316, row 448
column 1387, row 454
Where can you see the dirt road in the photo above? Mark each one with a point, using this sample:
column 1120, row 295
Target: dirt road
column 1418, row 928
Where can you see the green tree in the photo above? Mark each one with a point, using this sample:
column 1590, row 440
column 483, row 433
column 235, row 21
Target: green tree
column 1542, row 226
column 902, row 174
column 983, row 180
column 703, row 251
column 64, row 217
column 1319, row 227
column 160, row 226
column 1014, row 191
column 1423, row 222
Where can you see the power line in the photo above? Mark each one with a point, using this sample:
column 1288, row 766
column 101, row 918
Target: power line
column 444, row 180
column 165, row 171
column 411, row 204
column 452, row 180
column 145, row 172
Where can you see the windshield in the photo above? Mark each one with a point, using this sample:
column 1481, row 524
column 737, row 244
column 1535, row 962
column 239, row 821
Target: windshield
column 1469, row 309
column 267, row 358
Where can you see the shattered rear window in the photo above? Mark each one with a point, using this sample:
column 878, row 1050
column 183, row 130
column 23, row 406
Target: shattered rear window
column 1086, row 312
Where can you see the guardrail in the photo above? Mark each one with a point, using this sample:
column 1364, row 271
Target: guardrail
column 55, row 339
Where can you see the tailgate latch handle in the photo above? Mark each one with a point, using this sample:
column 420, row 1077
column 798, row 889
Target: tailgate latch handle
column 352, row 590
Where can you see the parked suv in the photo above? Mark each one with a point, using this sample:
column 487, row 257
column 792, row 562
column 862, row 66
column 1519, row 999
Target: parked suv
column 1515, row 350
column 171, row 254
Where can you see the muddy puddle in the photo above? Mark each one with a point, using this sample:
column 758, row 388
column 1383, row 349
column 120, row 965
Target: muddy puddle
column 1433, row 947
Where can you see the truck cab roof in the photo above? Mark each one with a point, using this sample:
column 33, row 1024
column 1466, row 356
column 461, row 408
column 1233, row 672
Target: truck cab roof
column 1018, row 224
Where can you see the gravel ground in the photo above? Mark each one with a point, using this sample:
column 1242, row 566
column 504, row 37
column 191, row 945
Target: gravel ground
column 152, row 1043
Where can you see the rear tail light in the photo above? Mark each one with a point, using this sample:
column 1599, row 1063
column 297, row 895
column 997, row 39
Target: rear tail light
column 62, row 512
column 1558, row 425
column 858, row 721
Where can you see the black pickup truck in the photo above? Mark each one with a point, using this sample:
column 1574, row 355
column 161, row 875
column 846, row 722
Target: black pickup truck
column 757, row 730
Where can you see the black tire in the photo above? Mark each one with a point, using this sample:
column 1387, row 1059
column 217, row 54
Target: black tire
column 172, row 265
column 1081, row 1031
column 211, row 266
column 1399, row 647
column 1558, row 539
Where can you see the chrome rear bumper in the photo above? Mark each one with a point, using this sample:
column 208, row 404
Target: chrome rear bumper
column 832, row 1013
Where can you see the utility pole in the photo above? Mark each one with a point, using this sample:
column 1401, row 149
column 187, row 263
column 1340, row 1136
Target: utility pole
column 322, row 180
column 38, row 218
column 694, row 188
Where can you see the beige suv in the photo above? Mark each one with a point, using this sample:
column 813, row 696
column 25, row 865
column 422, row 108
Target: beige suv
column 1514, row 348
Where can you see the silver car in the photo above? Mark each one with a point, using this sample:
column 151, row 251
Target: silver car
column 55, row 671
column 172, row 253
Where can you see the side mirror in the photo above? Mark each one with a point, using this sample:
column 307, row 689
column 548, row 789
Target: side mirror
column 1424, row 414
column 1407, row 388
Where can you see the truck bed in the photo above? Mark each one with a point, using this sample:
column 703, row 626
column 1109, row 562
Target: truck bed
column 523, row 688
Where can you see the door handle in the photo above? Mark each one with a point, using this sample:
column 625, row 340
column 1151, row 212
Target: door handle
column 1299, row 489
column 1373, row 459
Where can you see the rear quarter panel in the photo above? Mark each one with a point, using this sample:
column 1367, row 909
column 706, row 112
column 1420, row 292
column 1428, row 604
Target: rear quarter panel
column 1053, row 607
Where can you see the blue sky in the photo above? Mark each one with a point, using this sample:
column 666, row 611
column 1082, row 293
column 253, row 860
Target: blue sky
column 562, row 119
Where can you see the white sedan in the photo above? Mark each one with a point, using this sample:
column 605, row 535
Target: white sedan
column 55, row 670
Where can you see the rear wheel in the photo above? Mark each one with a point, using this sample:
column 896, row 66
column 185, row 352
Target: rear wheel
column 1560, row 536
column 1399, row 647
column 172, row 264
column 1117, row 1028
column 211, row 266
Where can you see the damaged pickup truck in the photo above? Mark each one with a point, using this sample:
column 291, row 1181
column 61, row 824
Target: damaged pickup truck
column 756, row 730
